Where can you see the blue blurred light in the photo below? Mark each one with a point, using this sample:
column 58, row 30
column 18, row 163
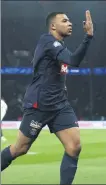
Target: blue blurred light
column 73, row 71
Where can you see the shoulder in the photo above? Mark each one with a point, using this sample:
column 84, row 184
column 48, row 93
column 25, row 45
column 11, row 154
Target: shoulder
column 49, row 43
column 48, row 38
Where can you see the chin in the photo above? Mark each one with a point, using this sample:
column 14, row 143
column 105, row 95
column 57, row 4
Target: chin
column 67, row 35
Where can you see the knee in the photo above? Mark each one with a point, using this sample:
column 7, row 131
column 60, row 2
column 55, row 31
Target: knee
column 20, row 150
column 73, row 150
column 23, row 150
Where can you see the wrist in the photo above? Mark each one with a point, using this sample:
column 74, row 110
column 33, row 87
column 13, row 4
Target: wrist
column 89, row 36
column 90, row 33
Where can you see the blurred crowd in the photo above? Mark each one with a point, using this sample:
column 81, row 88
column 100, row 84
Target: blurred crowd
column 87, row 95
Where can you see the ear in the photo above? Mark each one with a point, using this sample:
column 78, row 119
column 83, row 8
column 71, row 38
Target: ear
column 53, row 26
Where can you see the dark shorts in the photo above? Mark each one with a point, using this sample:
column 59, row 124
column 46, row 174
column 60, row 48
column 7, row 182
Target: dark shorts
column 34, row 120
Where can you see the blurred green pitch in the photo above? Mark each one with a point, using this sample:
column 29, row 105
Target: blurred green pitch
column 41, row 164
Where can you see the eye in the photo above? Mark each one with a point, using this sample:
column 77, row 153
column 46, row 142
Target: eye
column 64, row 20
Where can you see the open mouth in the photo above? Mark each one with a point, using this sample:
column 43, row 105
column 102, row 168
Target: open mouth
column 70, row 30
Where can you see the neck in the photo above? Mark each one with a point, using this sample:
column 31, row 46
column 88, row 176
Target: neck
column 56, row 35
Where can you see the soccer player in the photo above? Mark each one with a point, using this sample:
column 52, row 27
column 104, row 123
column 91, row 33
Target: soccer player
column 46, row 102
column 4, row 108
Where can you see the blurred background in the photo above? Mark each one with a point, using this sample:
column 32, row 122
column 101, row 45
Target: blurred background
column 22, row 23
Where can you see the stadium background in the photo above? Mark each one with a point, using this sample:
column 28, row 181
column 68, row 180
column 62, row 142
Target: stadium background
column 22, row 23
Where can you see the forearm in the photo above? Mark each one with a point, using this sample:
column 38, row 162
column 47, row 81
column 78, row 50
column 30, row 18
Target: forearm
column 80, row 52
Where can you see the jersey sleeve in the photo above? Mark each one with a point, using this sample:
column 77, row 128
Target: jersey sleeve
column 53, row 48
column 62, row 55
column 56, row 50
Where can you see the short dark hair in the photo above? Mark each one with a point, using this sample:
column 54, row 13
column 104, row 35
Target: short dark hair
column 51, row 16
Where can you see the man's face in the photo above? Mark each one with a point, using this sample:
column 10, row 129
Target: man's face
column 62, row 25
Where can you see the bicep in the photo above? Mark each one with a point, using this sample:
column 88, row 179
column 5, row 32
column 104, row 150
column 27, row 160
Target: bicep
column 64, row 57
column 53, row 49
column 58, row 52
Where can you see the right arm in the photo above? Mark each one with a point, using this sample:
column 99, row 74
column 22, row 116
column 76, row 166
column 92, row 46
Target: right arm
column 63, row 56
column 74, row 59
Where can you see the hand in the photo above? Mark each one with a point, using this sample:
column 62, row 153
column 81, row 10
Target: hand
column 88, row 25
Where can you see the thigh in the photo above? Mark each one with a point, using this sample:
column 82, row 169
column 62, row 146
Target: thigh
column 69, row 137
column 65, row 119
column 22, row 142
column 32, row 123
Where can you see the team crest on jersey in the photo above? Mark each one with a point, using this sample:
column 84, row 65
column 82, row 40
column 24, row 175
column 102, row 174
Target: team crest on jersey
column 56, row 44
column 64, row 68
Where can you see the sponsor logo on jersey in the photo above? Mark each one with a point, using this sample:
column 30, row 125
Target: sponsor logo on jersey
column 64, row 68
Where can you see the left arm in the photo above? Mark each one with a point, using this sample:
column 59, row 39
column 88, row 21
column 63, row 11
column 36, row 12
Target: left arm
column 80, row 52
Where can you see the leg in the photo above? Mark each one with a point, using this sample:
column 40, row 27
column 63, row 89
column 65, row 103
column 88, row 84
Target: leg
column 66, row 129
column 21, row 146
column 10, row 153
column 70, row 138
column 29, row 131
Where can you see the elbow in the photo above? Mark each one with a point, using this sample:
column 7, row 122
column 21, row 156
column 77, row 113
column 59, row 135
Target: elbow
column 75, row 63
